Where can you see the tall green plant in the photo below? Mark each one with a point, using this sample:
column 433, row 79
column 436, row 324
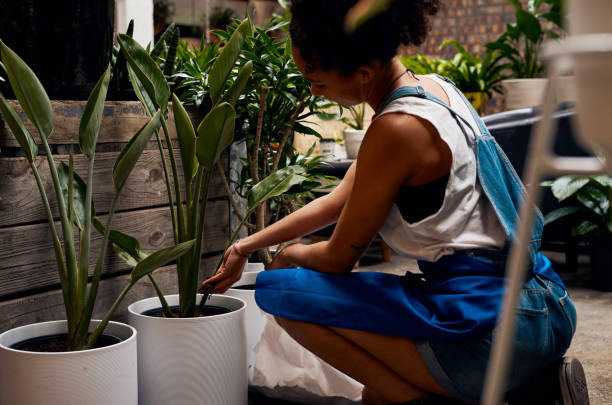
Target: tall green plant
column 74, row 195
column 200, row 150
column 521, row 43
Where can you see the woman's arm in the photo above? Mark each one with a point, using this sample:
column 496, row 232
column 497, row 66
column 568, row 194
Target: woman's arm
column 316, row 215
column 398, row 149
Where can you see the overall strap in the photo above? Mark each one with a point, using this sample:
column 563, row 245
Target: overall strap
column 420, row 92
column 498, row 178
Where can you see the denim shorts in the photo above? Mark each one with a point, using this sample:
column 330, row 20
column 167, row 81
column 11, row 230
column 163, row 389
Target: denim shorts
column 546, row 322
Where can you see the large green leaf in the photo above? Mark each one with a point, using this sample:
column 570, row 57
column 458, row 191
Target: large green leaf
column 234, row 92
column 566, row 186
column 79, row 188
column 131, row 152
column 19, row 130
column 186, row 137
column 225, row 63
column 275, row 184
column 159, row 259
column 146, row 70
column 594, row 199
column 560, row 213
column 604, row 180
column 126, row 246
column 141, row 92
column 529, row 25
column 215, row 133
column 29, row 91
column 92, row 115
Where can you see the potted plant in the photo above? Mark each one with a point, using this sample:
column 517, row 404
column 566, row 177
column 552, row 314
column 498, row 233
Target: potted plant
column 590, row 213
column 521, row 45
column 476, row 76
column 356, row 131
column 276, row 105
column 44, row 355
column 202, row 336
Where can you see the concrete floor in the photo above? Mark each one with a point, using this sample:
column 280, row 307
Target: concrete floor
column 592, row 343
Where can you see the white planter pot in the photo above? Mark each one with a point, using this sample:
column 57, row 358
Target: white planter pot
column 255, row 318
column 352, row 141
column 522, row 93
column 593, row 76
column 103, row 376
column 250, row 267
column 185, row 361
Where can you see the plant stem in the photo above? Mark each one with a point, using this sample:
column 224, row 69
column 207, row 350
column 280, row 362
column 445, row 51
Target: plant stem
column 162, row 298
column 86, row 238
column 177, row 186
column 168, row 186
column 286, row 133
column 59, row 254
column 71, row 261
column 228, row 191
column 254, row 168
column 94, row 336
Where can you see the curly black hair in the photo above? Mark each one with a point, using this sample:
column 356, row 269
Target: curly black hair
column 317, row 32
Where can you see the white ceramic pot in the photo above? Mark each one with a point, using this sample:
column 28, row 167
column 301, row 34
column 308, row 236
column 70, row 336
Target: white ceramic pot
column 593, row 75
column 253, row 267
column 255, row 318
column 352, row 141
column 522, row 93
column 185, row 361
column 103, row 376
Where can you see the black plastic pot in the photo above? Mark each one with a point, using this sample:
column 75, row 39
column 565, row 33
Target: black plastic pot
column 601, row 263
column 68, row 43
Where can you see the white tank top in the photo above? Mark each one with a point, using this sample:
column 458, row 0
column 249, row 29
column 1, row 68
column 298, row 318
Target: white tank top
column 466, row 219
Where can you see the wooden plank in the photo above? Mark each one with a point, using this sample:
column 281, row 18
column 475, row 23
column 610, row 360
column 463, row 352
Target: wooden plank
column 121, row 120
column 49, row 306
column 146, row 187
column 27, row 261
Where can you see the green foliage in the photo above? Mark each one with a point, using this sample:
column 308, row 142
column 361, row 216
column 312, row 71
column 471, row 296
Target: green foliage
column 356, row 120
column 476, row 73
column 73, row 194
column 589, row 197
column 220, row 17
column 480, row 73
column 521, row 43
column 220, row 83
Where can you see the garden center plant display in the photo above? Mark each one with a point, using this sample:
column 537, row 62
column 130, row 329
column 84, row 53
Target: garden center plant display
column 521, row 46
column 52, row 373
column 203, row 336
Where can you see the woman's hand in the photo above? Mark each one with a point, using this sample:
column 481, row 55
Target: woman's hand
column 229, row 272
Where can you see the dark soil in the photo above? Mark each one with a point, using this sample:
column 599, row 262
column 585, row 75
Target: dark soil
column 57, row 343
column 209, row 310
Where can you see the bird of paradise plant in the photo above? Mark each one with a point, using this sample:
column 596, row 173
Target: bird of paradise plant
column 74, row 195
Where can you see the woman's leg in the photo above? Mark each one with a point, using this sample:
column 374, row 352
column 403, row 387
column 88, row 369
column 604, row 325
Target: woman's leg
column 390, row 367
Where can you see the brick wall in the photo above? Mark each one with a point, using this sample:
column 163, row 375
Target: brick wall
column 472, row 23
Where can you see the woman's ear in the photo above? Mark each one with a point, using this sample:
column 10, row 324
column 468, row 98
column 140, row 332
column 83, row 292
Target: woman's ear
column 365, row 74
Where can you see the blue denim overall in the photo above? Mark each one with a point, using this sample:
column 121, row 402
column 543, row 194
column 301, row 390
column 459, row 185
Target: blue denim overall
column 456, row 301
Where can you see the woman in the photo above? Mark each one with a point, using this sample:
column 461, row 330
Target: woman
column 429, row 180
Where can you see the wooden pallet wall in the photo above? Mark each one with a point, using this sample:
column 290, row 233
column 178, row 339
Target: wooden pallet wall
column 29, row 284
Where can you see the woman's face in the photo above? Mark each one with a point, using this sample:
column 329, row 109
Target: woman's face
column 344, row 89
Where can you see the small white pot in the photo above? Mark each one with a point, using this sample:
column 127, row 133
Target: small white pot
column 352, row 141
column 250, row 267
column 184, row 361
column 255, row 318
column 522, row 93
column 102, row 376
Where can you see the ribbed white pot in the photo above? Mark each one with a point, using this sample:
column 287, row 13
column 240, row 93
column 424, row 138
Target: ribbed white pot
column 522, row 93
column 103, row 376
column 352, row 141
column 185, row 361
column 255, row 318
